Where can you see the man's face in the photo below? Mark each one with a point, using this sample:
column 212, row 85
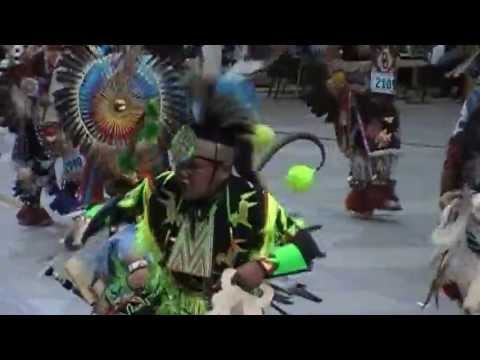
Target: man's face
column 201, row 178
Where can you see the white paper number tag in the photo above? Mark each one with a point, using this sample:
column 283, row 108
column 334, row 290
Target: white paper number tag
column 383, row 82
column 73, row 165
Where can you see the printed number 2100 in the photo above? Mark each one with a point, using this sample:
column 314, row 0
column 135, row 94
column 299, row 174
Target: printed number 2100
column 384, row 84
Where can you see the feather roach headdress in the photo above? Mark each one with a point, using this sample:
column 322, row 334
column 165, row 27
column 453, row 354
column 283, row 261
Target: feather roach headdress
column 226, row 128
column 222, row 130
column 225, row 122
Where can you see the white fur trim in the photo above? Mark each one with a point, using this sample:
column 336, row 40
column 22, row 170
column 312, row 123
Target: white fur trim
column 450, row 232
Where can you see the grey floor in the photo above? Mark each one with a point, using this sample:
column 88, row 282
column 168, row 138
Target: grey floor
column 373, row 267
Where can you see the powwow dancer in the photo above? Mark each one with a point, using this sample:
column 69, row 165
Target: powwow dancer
column 184, row 227
column 29, row 81
column 358, row 97
column 456, row 261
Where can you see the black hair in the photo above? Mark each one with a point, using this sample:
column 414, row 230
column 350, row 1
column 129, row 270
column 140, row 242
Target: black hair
column 245, row 163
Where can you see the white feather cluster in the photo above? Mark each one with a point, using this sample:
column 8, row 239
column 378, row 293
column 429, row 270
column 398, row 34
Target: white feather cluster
column 461, row 265
column 453, row 223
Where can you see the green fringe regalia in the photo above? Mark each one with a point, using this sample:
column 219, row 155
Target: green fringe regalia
column 185, row 246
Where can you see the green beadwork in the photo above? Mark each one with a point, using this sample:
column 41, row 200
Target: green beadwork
column 183, row 145
column 241, row 217
column 162, row 295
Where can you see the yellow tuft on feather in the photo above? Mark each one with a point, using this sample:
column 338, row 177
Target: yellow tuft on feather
column 301, row 178
column 263, row 138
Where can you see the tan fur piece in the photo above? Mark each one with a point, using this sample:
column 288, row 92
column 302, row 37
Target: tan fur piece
column 232, row 300
column 80, row 268
column 81, row 278
column 448, row 197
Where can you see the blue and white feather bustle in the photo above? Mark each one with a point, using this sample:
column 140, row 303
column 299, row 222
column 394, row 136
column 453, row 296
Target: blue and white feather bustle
column 85, row 71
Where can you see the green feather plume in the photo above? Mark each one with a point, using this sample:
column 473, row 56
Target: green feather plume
column 150, row 132
column 126, row 162
column 152, row 110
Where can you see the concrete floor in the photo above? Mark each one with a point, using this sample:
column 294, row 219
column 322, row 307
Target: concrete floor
column 375, row 267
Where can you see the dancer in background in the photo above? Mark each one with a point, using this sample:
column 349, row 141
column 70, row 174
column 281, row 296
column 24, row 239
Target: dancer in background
column 358, row 99
column 39, row 137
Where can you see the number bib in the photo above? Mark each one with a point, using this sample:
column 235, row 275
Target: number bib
column 382, row 82
column 72, row 165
